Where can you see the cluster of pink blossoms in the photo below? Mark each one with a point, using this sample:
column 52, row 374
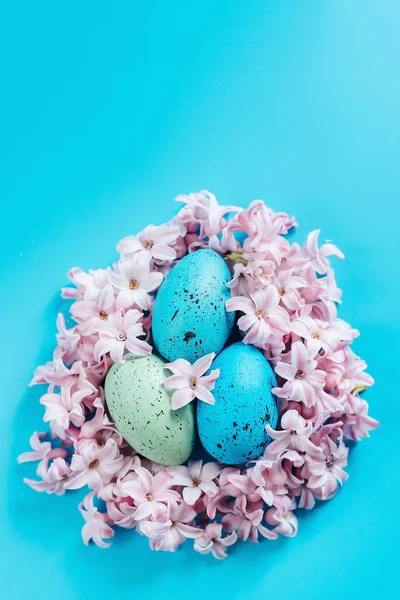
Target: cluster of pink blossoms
column 286, row 301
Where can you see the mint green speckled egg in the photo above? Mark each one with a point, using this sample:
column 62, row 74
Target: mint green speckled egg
column 140, row 407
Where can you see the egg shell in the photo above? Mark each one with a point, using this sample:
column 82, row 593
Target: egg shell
column 189, row 316
column 140, row 407
column 233, row 429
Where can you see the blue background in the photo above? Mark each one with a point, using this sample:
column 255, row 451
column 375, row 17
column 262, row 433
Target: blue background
column 108, row 110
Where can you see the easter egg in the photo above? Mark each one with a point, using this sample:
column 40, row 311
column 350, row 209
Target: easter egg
column 233, row 429
column 189, row 317
column 140, row 407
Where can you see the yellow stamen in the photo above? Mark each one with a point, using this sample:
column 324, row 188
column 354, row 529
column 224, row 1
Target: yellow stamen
column 133, row 284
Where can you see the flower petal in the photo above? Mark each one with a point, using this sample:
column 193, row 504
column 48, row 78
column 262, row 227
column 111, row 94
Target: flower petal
column 181, row 397
column 191, row 494
column 180, row 366
column 176, row 382
column 202, row 364
column 202, row 393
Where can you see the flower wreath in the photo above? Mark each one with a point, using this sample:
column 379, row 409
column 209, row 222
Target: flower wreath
column 319, row 381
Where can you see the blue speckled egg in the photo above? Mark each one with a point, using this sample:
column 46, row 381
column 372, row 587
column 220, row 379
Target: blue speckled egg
column 233, row 429
column 189, row 316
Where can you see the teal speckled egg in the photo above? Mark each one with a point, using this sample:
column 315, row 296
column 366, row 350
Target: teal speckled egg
column 189, row 317
column 140, row 407
column 233, row 429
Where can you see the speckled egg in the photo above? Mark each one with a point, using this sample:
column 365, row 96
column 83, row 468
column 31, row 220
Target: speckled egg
column 140, row 407
column 189, row 316
column 233, row 429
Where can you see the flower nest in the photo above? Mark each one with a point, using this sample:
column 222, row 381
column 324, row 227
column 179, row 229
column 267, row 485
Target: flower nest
column 292, row 291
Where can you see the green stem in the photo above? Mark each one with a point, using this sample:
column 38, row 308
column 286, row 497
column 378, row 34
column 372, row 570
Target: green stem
column 236, row 257
column 359, row 388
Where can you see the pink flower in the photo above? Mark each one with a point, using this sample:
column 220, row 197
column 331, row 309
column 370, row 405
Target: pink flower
column 263, row 230
column 212, row 541
column 286, row 222
column 247, row 220
column 321, row 294
column 262, row 271
column 181, row 526
column 67, row 341
column 99, row 425
column 312, row 256
column 91, row 314
column 270, row 479
column 327, row 472
column 195, row 479
column 94, row 465
column 121, row 333
column 111, row 489
column 246, row 519
column 226, row 491
column 53, row 478
column 242, row 282
column 274, row 348
column 135, row 281
column 42, row 451
column 154, row 530
column 295, row 434
column 150, row 493
column 266, row 243
column 57, row 373
column 352, row 369
column 358, row 423
column 121, row 514
column 298, row 484
column 288, row 286
column 263, row 318
column 152, row 242
column 225, row 244
column 320, row 334
column 85, row 354
column 251, row 271
column 88, row 284
column 283, row 520
column 97, row 526
column 189, row 381
column 244, row 484
column 202, row 208
column 303, row 379
column 66, row 407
